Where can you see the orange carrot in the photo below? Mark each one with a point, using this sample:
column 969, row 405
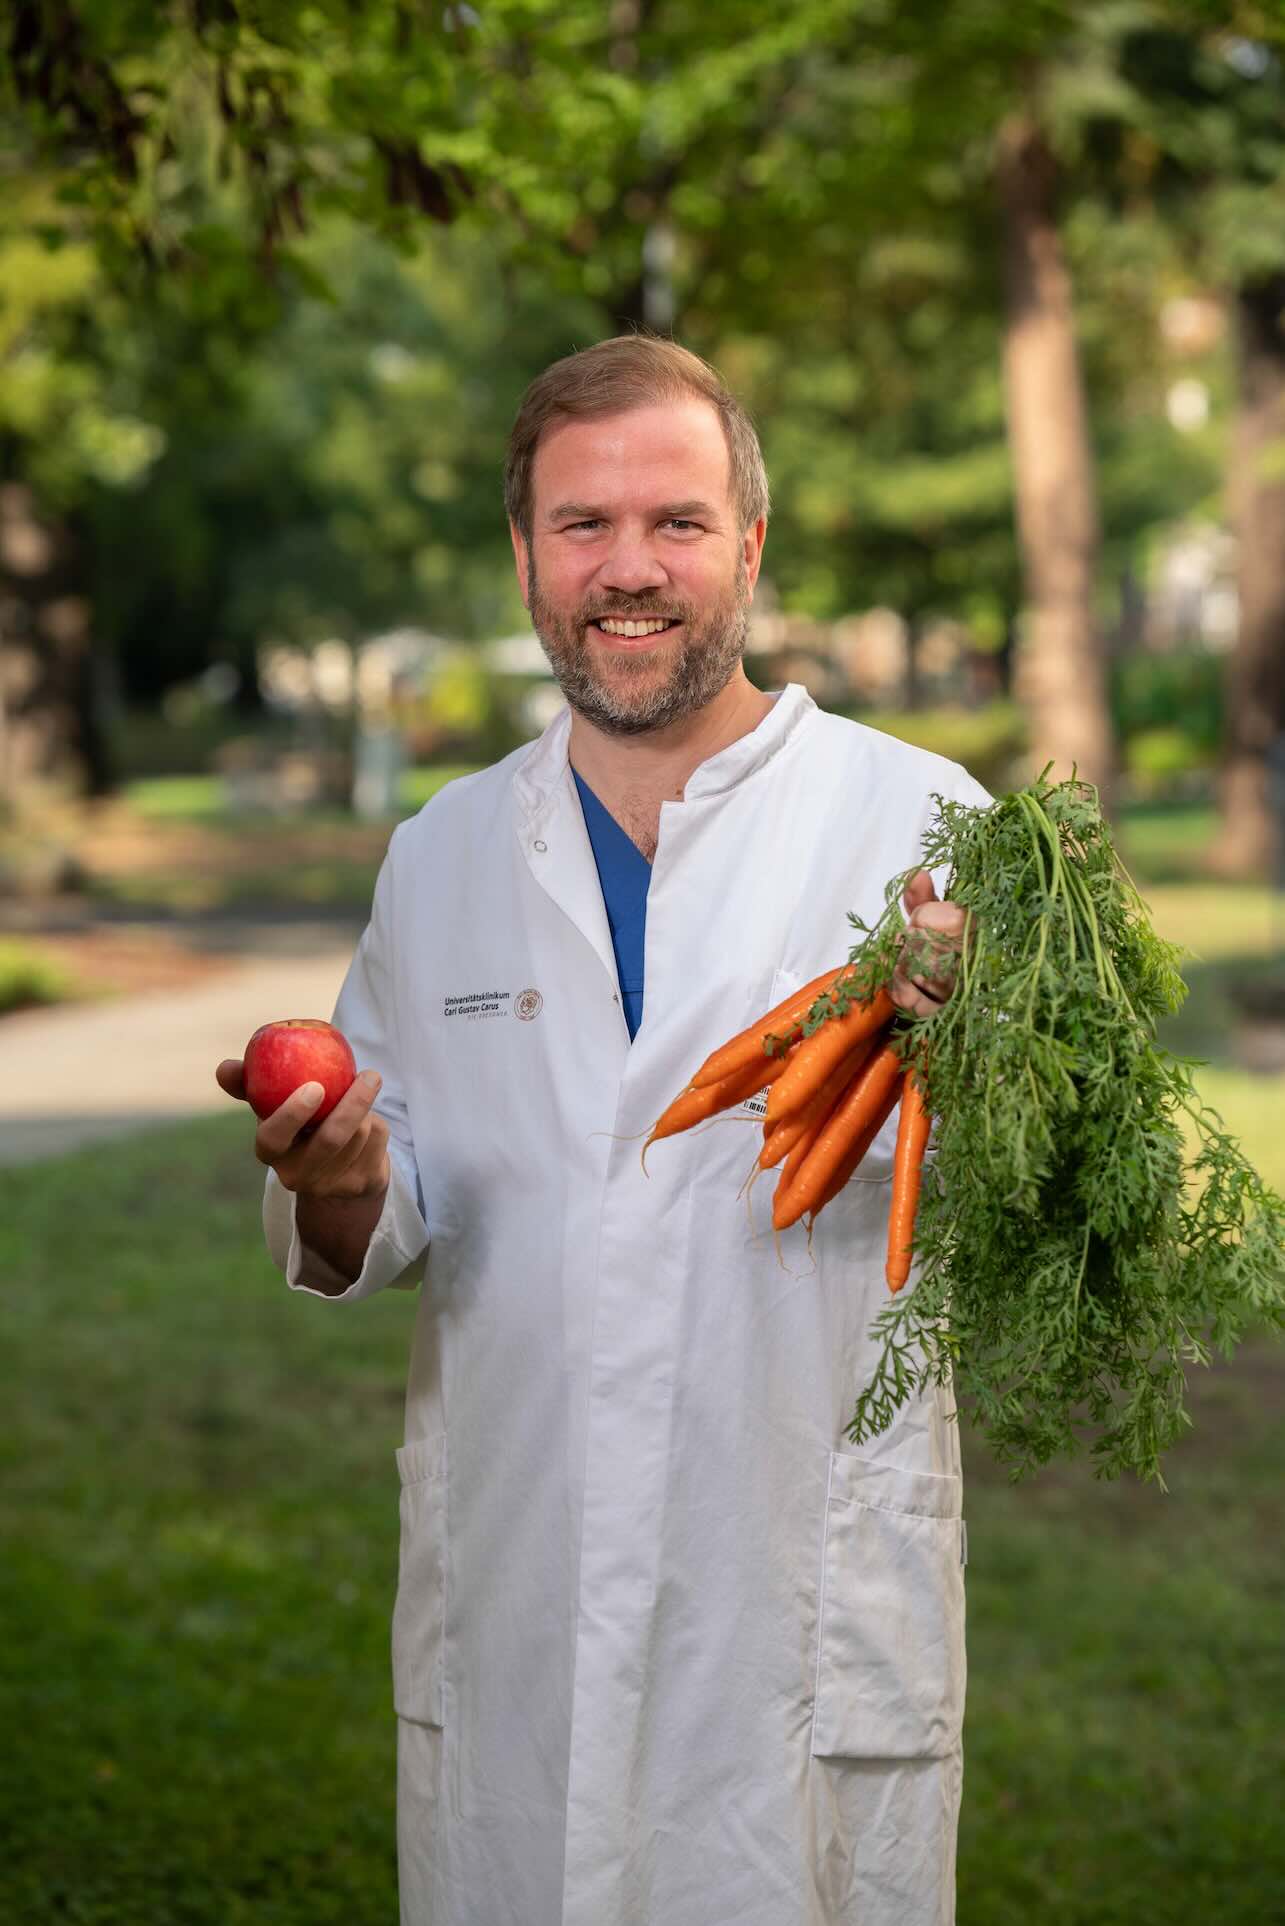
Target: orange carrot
column 797, row 1157
column 907, row 1175
column 692, row 1106
column 781, row 1020
column 873, row 1090
column 780, row 1139
column 856, row 1154
column 826, row 1047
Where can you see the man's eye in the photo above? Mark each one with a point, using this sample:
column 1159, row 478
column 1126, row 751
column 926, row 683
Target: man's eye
column 676, row 521
column 571, row 525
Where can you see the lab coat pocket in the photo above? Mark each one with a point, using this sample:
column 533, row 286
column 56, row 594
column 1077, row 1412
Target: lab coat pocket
column 890, row 1657
column 784, row 984
column 419, row 1614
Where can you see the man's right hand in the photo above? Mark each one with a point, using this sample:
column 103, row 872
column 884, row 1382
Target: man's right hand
column 344, row 1159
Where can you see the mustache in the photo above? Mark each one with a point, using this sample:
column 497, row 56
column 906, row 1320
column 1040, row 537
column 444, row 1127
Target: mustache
column 634, row 615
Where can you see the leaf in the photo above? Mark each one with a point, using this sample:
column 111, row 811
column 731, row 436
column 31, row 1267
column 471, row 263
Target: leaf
column 1071, row 1261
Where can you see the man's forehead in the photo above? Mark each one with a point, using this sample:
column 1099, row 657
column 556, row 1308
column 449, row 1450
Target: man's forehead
column 675, row 447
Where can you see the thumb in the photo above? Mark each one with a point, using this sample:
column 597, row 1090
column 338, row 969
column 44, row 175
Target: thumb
column 230, row 1076
column 918, row 891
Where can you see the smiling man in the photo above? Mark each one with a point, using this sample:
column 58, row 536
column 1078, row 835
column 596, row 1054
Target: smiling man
column 666, row 1652
column 639, row 589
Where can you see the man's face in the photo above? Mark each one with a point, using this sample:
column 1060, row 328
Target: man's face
column 633, row 523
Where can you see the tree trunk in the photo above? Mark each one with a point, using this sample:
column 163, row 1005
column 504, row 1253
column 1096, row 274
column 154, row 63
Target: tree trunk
column 1061, row 670
column 1254, row 731
column 647, row 302
column 51, row 738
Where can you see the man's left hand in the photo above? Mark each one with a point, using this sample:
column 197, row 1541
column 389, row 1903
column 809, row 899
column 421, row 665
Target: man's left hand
column 925, row 975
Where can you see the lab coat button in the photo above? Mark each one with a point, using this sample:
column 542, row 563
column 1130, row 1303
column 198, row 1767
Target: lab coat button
column 539, row 845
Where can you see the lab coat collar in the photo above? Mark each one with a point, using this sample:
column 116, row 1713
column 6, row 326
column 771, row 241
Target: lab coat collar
column 544, row 770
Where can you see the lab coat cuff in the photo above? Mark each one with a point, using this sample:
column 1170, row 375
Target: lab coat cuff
column 394, row 1257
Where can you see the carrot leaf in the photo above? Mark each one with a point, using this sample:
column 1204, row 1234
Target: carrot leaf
column 1087, row 1229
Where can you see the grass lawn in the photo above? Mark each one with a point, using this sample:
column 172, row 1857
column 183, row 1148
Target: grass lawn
column 200, row 798
column 173, row 846
column 199, row 1506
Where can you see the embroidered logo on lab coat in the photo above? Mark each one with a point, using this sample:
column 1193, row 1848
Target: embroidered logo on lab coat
column 478, row 1003
column 475, row 1004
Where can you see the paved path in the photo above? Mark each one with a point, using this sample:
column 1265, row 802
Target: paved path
column 81, row 1073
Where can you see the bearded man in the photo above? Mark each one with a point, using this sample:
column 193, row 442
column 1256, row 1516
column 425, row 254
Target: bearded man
column 665, row 1651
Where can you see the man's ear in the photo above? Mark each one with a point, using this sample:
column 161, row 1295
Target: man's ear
column 752, row 549
column 521, row 562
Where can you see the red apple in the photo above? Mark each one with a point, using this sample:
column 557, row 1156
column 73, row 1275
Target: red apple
column 281, row 1056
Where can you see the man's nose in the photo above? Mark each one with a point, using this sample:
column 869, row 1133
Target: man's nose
column 632, row 565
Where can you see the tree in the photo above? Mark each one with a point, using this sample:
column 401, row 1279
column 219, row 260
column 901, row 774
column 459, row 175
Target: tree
column 1211, row 100
column 827, row 196
column 1251, row 834
column 1063, row 667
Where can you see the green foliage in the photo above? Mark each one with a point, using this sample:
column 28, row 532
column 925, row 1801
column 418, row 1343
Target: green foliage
column 27, row 977
column 1169, row 715
column 273, row 282
column 148, row 743
column 1178, row 690
column 987, row 742
column 1073, row 1259
column 1158, row 759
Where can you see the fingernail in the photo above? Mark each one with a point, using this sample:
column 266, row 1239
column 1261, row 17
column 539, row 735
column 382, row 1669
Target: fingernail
column 311, row 1094
column 371, row 1079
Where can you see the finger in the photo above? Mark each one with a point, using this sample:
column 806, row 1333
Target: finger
column 350, row 1121
column 914, row 1001
column 324, row 1163
column 230, row 1076
column 277, row 1133
column 930, row 969
column 925, row 972
column 929, row 953
column 918, row 890
column 936, row 988
column 316, row 1165
column 946, row 919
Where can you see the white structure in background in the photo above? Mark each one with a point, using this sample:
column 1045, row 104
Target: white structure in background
column 873, row 652
column 387, row 667
column 364, row 682
column 1187, row 405
column 336, row 677
column 1192, row 594
column 522, row 655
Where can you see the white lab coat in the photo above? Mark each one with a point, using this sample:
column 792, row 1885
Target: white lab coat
column 667, row 1650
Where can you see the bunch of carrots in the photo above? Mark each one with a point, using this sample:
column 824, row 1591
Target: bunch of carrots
column 833, row 1083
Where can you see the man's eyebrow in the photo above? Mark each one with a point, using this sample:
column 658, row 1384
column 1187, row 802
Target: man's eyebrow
column 574, row 512
column 667, row 511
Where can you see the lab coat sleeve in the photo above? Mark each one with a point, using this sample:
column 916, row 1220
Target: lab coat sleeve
column 366, row 1012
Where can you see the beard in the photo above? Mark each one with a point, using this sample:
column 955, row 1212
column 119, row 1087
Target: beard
column 625, row 692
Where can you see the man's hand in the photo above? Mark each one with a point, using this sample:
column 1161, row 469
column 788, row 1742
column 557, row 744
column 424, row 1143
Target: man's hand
column 345, row 1158
column 925, row 975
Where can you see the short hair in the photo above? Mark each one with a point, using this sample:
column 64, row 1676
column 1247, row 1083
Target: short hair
column 630, row 371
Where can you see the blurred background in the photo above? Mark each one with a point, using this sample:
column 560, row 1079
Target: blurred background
column 1004, row 289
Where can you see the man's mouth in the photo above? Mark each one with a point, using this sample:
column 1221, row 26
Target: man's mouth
column 632, row 628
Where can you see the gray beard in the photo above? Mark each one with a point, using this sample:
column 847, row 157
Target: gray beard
column 705, row 664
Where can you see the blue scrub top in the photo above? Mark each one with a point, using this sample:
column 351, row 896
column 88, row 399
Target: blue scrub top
column 625, row 874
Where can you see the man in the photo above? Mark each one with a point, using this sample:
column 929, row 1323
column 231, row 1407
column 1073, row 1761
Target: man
column 666, row 1652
